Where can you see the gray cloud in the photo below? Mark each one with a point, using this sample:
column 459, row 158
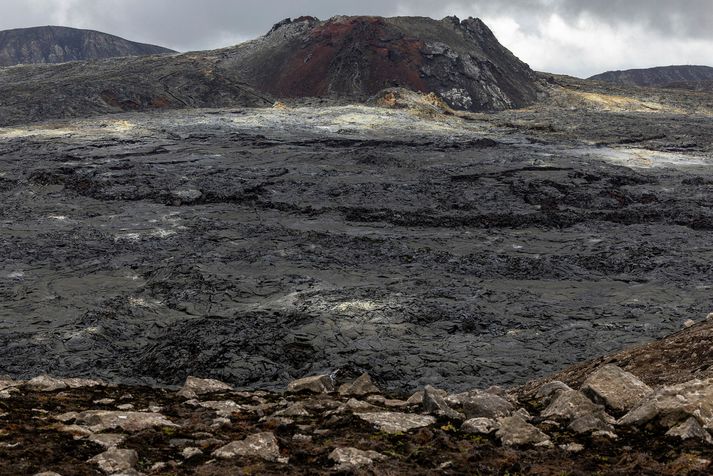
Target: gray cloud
column 578, row 37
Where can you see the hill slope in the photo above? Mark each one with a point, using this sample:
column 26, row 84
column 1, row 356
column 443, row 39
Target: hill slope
column 344, row 59
column 355, row 57
column 686, row 77
column 55, row 44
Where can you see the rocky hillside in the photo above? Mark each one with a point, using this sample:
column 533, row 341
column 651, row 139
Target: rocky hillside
column 610, row 422
column 343, row 59
column 686, row 77
column 56, row 44
column 356, row 57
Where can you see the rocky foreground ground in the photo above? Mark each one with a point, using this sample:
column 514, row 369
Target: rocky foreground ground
column 603, row 420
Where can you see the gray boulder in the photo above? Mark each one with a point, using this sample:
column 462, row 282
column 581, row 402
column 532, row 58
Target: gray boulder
column 348, row 458
column 395, row 422
column 550, row 390
column 675, row 404
column 515, row 431
column 589, row 424
column 315, row 384
column 617, row 389
column 435, row 404
column 486, row 405
column 691, row 429
column 479, row 426
column 195, row 386
column 115, row 460
column 261, row 445
column 101, row 420
column 571, row 405
column 359, row 387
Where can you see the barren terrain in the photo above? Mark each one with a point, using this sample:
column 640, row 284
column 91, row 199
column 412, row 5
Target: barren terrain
column 422, row 246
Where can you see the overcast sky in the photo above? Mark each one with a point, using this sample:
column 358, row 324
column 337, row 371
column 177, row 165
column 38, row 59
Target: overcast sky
column 579, row 37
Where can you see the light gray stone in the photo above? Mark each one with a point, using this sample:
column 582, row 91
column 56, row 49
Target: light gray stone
column 691, row 429
column 360, row 387
column 101, row 420
column 107, row 440
column 261, row 445
column 415, row 399
column 224, row 408
column 354, row 405
column 45, row 383
column 296, row 410
column 550, row 390
column 573, row 448
column 615, row 388
column 115, row 460
column 347, row 458
column 588, row 424
column 487, row 405
column 395, row 422
column 571, row 405
column 435, row 404
column 194, row 386
column 515, row 431
column 479, row 426
column 674, row 404
column 315, row 384
column 191, row 452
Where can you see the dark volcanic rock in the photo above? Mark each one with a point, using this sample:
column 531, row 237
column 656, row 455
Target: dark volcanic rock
column 683, row 77
column 56, row 44
column 356, row 57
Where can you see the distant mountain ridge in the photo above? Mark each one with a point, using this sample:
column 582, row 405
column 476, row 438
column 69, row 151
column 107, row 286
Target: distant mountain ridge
column 680, row 77
column 57, row 44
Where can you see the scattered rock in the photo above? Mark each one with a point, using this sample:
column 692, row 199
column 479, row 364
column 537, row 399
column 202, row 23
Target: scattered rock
column 573, row 447
column 689, row 323
column 105, row 401
column 360, row 387
column 355, row 405
column 709, row 317
column 48, row 473
column 115, row 460
column 262, row 445
column 316, row 384
column 195, row 386
column 191, row 452
column 589, row 423
column 125, row 407
column 435, row 404
column 571, row 405
column 394, row 422
column 8, row 383
column 617, row 389
column 77, row 431
column 296, row 410
column 224, row 408
column 550, row 390
column 101, row 420
column 674, row 404
column 66, row 417
column 514, row 431
column 691, row 429
column 107, row 440
column 605, row 434
column 487, row 405
column 45, row 383
column 416, row 398
column 483, row 426
column 347, row 458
